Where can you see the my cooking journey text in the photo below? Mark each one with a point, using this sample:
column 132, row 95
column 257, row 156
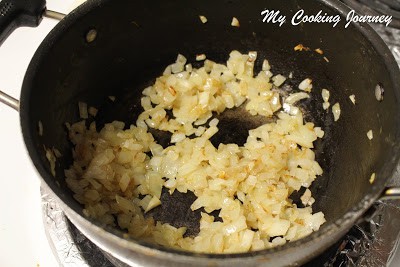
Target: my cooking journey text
column 275, row 16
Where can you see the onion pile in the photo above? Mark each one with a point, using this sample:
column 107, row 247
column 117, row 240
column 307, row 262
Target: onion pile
column 118, row 174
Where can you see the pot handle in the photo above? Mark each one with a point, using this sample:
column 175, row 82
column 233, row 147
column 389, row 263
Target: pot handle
column 391, row 193
column 9, row 100
column 18, row 13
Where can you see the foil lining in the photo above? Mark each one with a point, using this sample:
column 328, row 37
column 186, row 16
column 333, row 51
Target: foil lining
column 70, row 246
column 370, row 243
column 391, row 36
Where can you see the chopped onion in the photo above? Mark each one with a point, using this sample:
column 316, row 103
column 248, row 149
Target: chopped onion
column 235, row 22
column 181, row 59
column 214, row 122
column 291, row 110
column 293, row 98
column 203, row 19
column 298, row 47
column 301, row 47
column 167, row 70
column 83, row 111
column 306, row 198
column 278, row 80
column 200, row 57
column 306, row 85
column 40, row 128
column 252, row 56
column 57, row 153
column 189, row 67
column 370, row 135
column 154, row 202
column 353, row 99
column 112, row 98
column 325, row 105
column 372, row 178
column 51, row 158
column 325, row 95
column 172, row 91
column 319, row 132
column 336, row 111
column 319, row 51
column 177, row 67
column 265, row 65
column 177, row 137
column 379, row 91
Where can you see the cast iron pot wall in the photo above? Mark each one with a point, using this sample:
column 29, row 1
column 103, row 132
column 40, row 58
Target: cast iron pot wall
column 136, row 40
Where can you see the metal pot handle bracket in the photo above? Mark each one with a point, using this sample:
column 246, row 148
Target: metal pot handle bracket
column 9, row 101
column 20, row 13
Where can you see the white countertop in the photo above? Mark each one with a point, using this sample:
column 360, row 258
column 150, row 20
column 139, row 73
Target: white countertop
column 22, row 238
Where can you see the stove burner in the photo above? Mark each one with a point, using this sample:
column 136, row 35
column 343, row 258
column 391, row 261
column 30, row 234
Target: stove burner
column 376, row 8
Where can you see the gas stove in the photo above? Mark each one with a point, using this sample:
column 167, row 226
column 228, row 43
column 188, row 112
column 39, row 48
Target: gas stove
column 45, row 236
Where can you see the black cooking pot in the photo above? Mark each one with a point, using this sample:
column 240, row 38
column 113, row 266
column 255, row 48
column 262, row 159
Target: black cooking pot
column 117, row 47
